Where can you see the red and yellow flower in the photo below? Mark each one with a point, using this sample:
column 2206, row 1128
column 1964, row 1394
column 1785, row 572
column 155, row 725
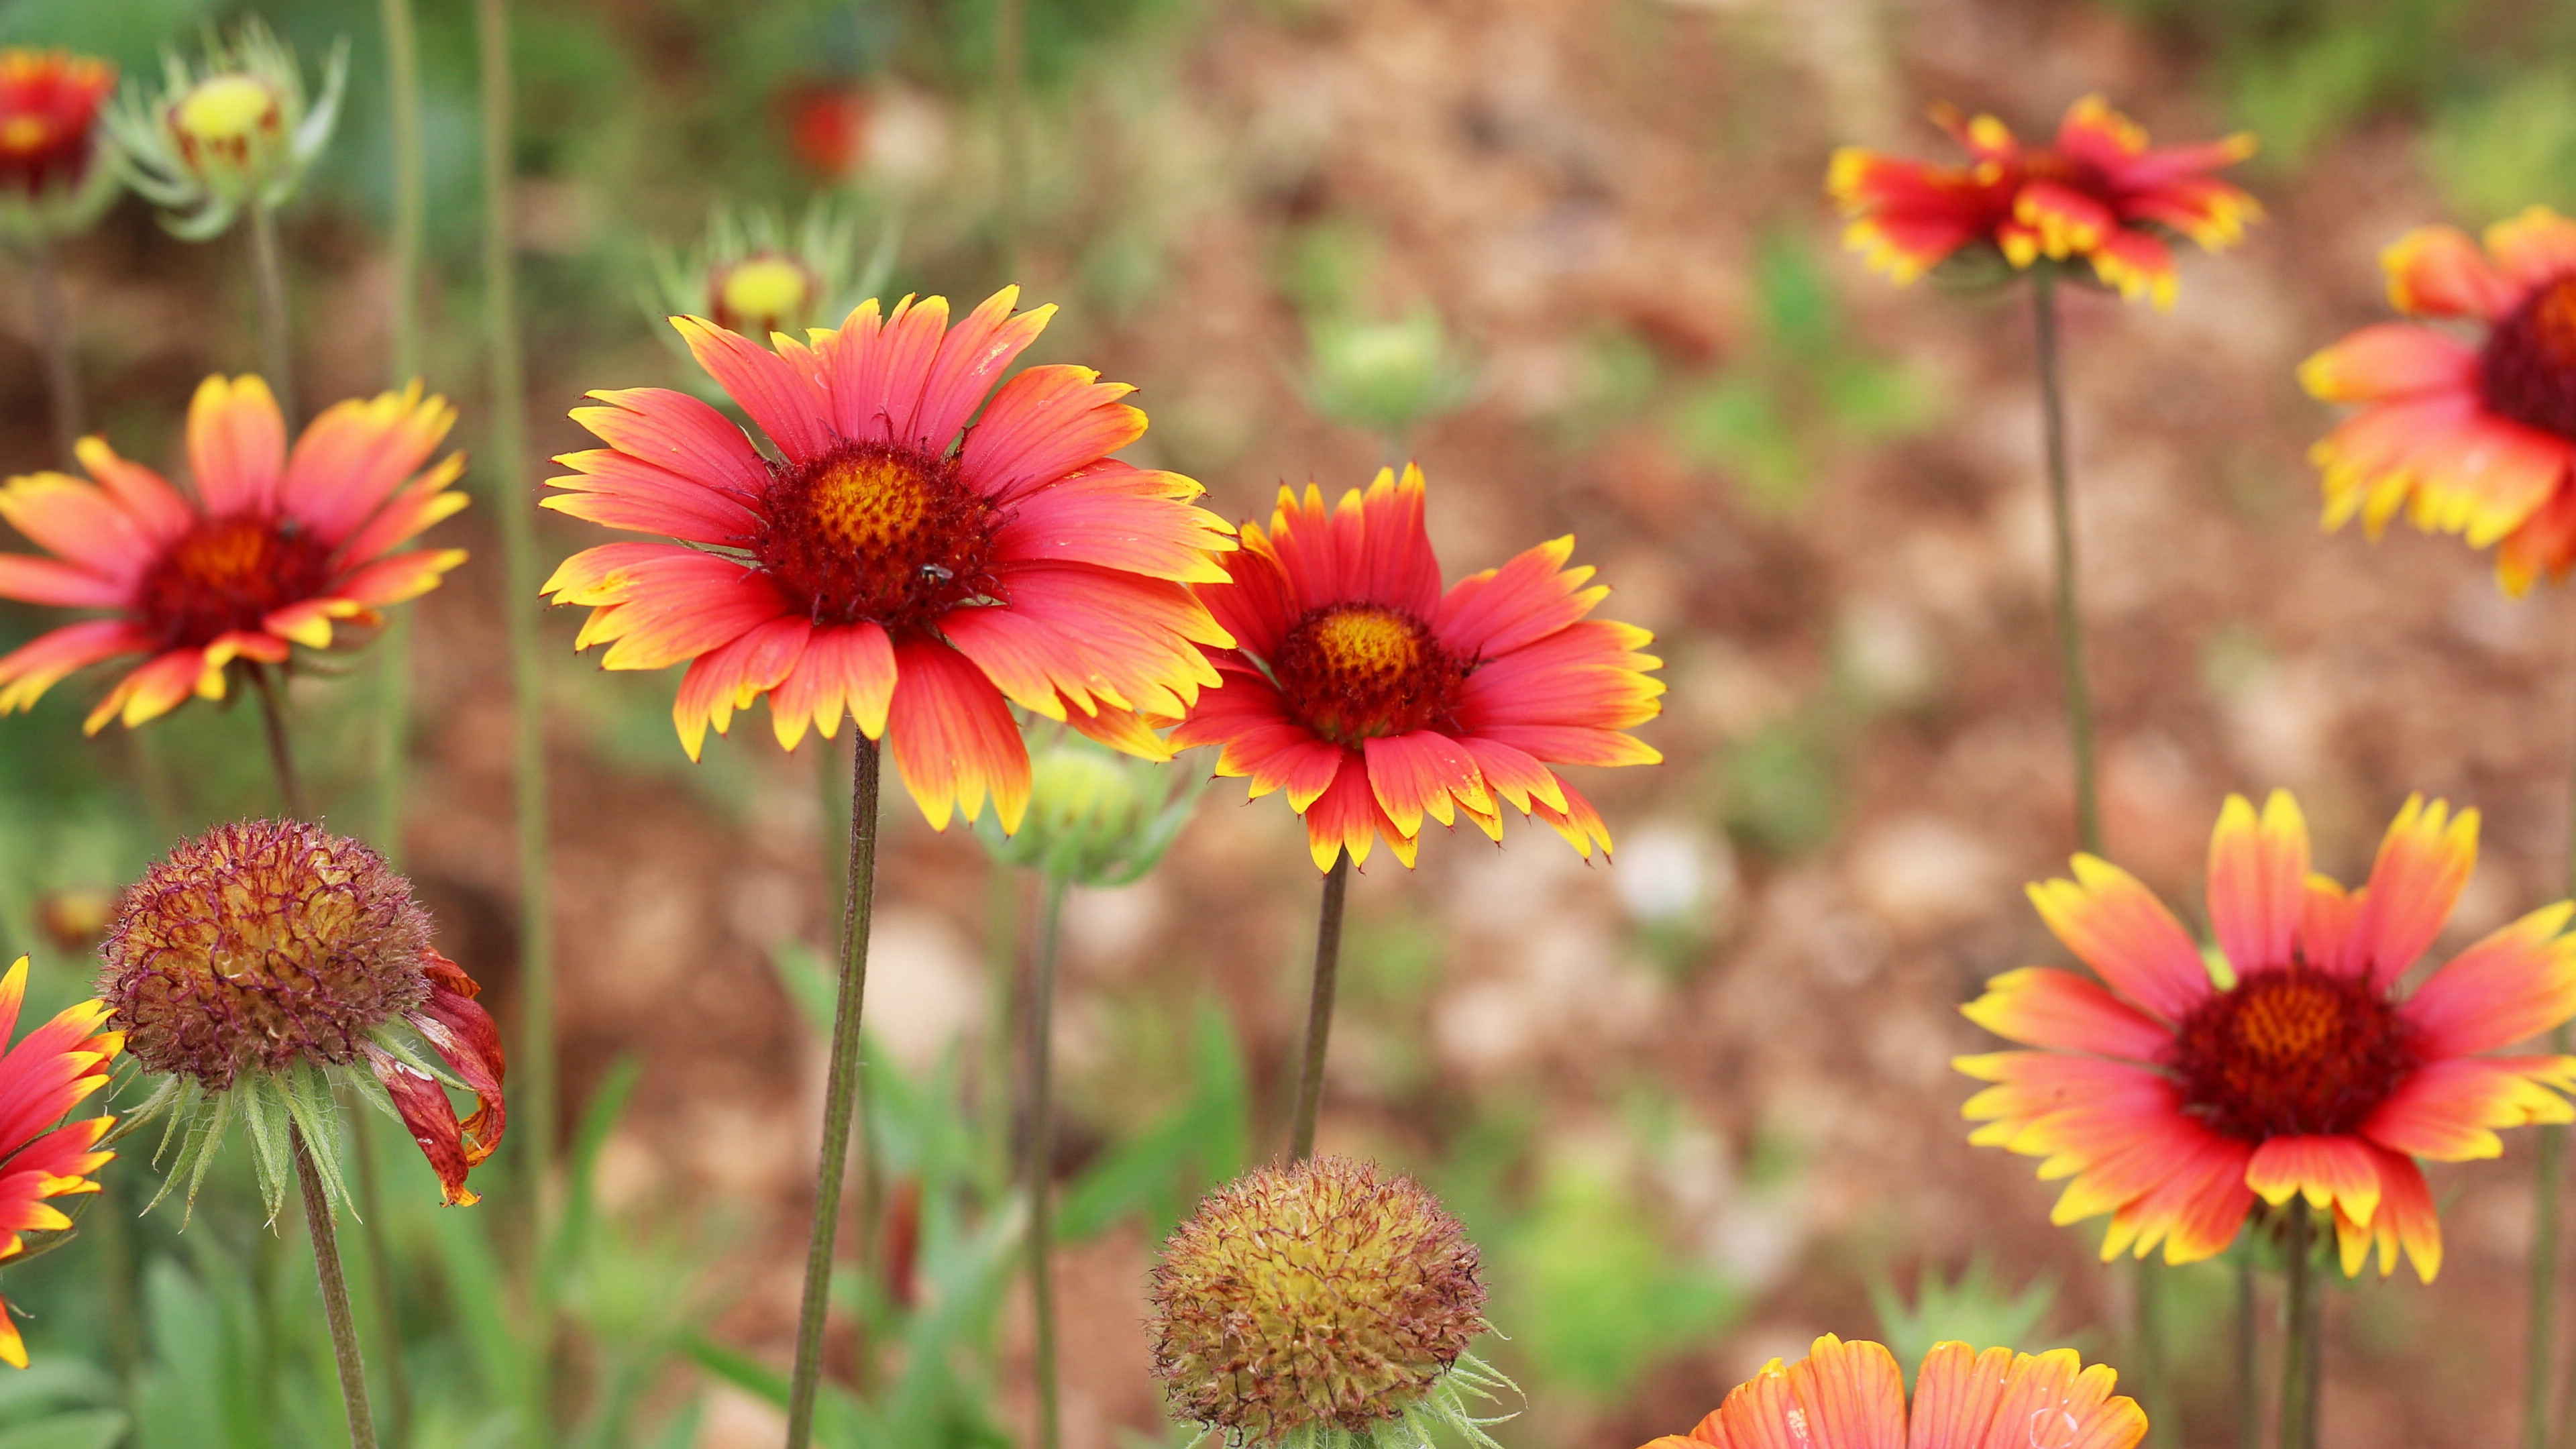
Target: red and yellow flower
column 2175, row 1091
column 270, row 550
column 53, row 175
column 2098, row 193
column 884, row 568
column 1852, row 1396
column 2473, row 435
column 1377, row 700
column 41, row 1156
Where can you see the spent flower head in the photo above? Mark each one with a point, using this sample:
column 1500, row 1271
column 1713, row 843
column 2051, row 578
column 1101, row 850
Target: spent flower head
column 756, row 274
column 58, row 170
column 1321, row 1302
column 265, row 960
column 237, row 129
column 1096, row 817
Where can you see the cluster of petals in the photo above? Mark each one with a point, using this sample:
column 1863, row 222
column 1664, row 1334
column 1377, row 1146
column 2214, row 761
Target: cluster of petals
column 463, row 1034
column 2098, row 193
column 2469, row 434
column 2175, row 1094
column 1852, row 1396
column 49, row 104
column 41, row 1156
column 270, row 550
column 1376, row 700
column 1082, row 613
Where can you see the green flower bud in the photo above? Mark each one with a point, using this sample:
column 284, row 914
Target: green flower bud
column 1096, row 817
column 754, row 273
column 1386, row 377
column 236, row 130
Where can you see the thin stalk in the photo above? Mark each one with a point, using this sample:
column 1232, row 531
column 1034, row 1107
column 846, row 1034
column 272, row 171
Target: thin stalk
column 54, row 333
column 2299, row 1346
column 1319, row 1009
column 840, row 1090
column 380, row 1263
column 276, row 339
column 1010, row 85
column 2061, row 520
column 2249, row 1388
column 2541, row 1346
column 335, row 1294
column 403, row 333
column 281, row 753
column 1041, row 1158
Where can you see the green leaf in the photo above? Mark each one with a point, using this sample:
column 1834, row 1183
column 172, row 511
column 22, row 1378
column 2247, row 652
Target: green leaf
column 86, row 1429
column 809, row 980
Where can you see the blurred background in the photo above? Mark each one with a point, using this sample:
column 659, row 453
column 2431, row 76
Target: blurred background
column 1571, row 255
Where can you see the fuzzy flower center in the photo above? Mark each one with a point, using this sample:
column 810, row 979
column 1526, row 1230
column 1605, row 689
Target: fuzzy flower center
column 2527, row 370
column 229, row 573
column 1354, row 672
column 878, row 533
column 258, row 945
column 763, row 294
column 2289, row 1052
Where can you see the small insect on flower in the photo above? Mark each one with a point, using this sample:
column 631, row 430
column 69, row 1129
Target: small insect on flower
column 270, row 550
column 1852, row 1395
column 2098, row 194
column 264, row 961
column 57, row 168
column 1322, row 1303
column 237, row 130
column 2469, row 435
column 2175, row 1093
column 42, row 1077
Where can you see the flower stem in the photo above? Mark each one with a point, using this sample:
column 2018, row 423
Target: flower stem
column 335, row 1294
column 2061, row 520
column 1011, row 84
column 1319, row 1009
column 54, row 331
column 1041, row 1154
column 2540, row 1349
column 281, row 754
column 2299, row 1346
column 276, row 340
column 840, row 1091
column 2249, row 1389
column 393, row 648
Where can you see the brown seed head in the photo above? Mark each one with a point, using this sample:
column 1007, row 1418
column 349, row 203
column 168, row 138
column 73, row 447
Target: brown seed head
column 259, row 944
column 1324, row 1292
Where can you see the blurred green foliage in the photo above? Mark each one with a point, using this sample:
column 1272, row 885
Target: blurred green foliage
column 1977, row 1308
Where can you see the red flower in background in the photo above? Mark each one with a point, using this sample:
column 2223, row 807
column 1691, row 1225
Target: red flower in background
column 49, row 101
column 41, row 1078
column 2099, row 193
column 827, row 128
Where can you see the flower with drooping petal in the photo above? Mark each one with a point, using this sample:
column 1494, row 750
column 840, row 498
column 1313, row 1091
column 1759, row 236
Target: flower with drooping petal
column 1375, row 699
column 41, row 1156
column 2468, row 435
column 265, row 961
column 1852, row 1396
column 2098, row 194
column 894, row 563
column 57, row 169
column 237, row 130
column 270, row 550
column 2175, row 1091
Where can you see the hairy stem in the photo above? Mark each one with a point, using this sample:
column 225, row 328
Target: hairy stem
column 2299, row 1336
column 1319, row 1009
column 840, row 1093
column 276, row 335
column 335, row 1293
column 2061, row 521
column 2249, row 1388
column 54, row 334
column 1041, row 1155
column 281, row 753
column 403, row 363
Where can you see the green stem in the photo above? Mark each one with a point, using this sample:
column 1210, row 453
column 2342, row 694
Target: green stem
column 2299, row 1345
column 1041, row 1154
column 393, row 650
column 1010, row 84
column 2249, row 1388
column 54, row 332
column 335, row 1294
column 380, row 1264
column 276, row 337
column 281, row 753
column 1319, row 1009
column 840, row 1091
column 2061, row 520
column 2539, row 1350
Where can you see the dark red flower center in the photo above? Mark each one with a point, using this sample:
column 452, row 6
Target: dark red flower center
column 229, row 573
column 2527, row 370
column 1353, row 672
column 2290, row 1051
column 875, row 532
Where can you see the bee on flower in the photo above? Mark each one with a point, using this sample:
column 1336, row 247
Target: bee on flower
column 237, row 130
column 58, row 169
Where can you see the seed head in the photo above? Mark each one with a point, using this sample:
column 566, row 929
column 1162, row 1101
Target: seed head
column 1325, row 1292
column 260, row 944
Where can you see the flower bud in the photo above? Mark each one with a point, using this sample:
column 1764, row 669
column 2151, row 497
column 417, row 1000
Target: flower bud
column 756, row 274
column 236, row 130
column 1096, row 817
column 228, row 128
column 1320, row 1295
column 1386, row 377
column 764, row 293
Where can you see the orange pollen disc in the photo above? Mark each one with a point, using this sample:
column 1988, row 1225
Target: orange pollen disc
column 2527, row 370
column 2290, row 1051
column 1352, row 672
column 878, row 533
column 227, row 574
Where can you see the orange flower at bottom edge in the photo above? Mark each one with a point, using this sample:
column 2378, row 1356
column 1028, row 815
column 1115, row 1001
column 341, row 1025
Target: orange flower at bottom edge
column 1852, row 1395
column 2174, row 1097
column 42, row 1156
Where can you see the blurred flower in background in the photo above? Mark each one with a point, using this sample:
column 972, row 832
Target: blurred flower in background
column 847, row 133
column 754, row 273
column 1385, row 377
column 2098, row 193
column 2291, row 1067
column 58, row 171
column 269, row 550
column 2473, row 438
column 1853, row 1393
column 45, row 1075
column 237, row 130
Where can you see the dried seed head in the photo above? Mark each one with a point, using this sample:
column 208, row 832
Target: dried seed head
column 259, row 944
column 1326, row 1292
